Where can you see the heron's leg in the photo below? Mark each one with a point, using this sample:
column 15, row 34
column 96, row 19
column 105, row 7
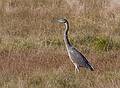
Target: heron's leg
column 76, row 68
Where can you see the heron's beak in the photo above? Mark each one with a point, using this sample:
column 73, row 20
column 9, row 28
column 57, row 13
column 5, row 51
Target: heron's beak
column 54, row 21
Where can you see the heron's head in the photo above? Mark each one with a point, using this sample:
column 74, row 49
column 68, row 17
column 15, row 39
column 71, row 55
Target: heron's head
column 61, row 20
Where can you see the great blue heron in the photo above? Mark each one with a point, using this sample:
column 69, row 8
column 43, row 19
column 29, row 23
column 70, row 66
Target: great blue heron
column 75, row 56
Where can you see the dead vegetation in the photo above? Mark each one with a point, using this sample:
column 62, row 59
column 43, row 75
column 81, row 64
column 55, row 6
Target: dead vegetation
column 32, row 51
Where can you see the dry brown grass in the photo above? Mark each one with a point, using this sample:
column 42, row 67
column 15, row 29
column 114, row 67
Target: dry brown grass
column 50, row 70
column 32, row 51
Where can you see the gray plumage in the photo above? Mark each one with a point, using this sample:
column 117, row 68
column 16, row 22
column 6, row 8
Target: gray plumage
column 75, row 56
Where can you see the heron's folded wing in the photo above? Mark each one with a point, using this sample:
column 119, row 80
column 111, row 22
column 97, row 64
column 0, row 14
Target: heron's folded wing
column 78, row 58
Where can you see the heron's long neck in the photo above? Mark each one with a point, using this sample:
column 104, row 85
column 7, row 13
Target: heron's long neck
column 66, row 40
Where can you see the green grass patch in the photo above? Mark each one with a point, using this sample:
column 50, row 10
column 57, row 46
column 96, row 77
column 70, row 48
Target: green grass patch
column 103, row 44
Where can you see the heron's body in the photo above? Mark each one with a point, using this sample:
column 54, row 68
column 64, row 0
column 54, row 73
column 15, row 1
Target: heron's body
column 75, row 56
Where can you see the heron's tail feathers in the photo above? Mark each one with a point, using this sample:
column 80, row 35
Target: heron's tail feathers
column 90, row 67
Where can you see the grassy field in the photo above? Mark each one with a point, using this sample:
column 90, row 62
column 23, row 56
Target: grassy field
column 32, row 50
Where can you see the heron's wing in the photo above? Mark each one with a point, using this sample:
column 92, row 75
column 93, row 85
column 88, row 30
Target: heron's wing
column 79, row 59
